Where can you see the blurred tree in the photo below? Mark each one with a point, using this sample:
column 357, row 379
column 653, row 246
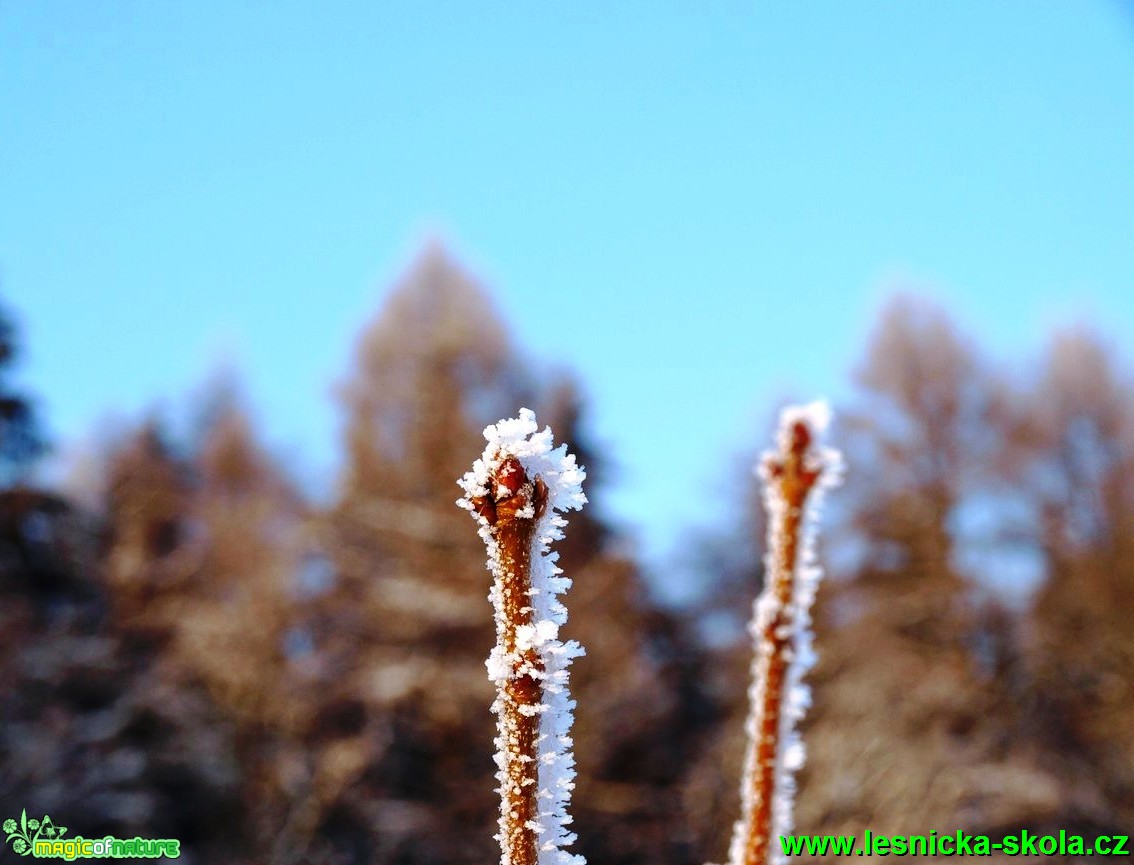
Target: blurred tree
column 91, row 724
column 21, row 440
column 204, row 570
column 402, row 630
column 1073, row 459
column 432, row 370
column 925, row 431
column 240, row 628
column 153, row 549
column 252, row 522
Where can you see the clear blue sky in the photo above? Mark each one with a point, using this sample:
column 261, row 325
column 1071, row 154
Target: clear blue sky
column 697, row 206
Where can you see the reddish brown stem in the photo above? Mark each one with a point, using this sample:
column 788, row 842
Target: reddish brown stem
column 512, row 506
column 794, row 477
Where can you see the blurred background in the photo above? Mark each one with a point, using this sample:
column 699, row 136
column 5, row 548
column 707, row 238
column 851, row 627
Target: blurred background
column 267, row 270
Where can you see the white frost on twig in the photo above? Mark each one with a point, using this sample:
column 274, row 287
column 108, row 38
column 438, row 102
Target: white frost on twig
column 519, row 437
column 767, row 608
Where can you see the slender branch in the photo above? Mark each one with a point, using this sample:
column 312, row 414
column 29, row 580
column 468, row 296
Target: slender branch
column 515, row 491
column 780, row 632
column 512, row 506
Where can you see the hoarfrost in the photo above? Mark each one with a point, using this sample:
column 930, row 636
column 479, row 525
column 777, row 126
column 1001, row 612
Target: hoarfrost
column 795, row 616
column 520, row 438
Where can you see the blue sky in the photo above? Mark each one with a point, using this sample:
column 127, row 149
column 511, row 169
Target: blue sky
column 699, row 207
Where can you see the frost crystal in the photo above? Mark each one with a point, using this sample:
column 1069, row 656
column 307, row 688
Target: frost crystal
column 794, row 477
column 516, row 492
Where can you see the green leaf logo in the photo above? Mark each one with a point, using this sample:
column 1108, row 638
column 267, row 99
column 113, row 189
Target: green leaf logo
column 22, row 835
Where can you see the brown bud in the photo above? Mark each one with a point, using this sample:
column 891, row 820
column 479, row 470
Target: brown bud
column 511, row 476
column 800, row 437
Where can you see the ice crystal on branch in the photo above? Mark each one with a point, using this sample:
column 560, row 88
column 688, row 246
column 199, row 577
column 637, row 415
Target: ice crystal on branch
column 794, row 477
column 516, row 492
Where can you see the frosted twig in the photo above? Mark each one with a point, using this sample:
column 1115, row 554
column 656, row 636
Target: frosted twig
column 515, row 491
column 793, row 478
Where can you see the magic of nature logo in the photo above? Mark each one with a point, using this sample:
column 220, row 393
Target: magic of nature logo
column 43, row 839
